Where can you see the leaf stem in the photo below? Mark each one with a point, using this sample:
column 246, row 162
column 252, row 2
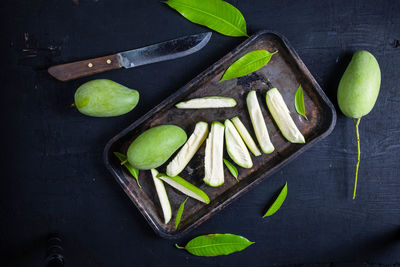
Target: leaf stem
column 356, row 123
column 177, row 246
column 123, row 162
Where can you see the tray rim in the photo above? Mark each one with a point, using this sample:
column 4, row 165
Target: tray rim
column 262, row 177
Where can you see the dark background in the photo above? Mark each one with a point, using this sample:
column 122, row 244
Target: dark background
column 53, row 178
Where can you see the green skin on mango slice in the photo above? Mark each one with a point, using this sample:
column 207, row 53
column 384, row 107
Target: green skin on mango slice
column 185, row 187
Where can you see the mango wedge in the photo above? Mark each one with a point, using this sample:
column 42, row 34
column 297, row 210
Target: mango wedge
column 281, row 115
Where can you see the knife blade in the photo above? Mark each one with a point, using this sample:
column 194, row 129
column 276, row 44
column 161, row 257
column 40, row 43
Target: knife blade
column 168, row 50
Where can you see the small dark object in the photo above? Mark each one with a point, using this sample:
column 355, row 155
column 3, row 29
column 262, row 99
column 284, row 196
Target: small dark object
column 54, row 255
column 285, row 71
column 395, row 43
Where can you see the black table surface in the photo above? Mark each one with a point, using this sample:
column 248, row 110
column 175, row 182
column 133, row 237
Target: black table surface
column 54, row 179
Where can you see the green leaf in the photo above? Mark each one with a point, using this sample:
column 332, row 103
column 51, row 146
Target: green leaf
column 277, row 203
column 217, row 15
column 247, row 64
column 299, row 102
column 132, row 170
column 232, row 169
column 179, row 213
column 216, row 245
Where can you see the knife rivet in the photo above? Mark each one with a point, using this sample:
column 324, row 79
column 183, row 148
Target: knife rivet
column 108, row 61
column 90, row 65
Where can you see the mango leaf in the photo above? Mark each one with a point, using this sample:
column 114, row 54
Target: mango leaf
column 132, row 170
column 232, row 169
column 179, row 213
column 247, row 64
column 216, row 244
column 299, row 102
column 217, row 15
column 277, row 203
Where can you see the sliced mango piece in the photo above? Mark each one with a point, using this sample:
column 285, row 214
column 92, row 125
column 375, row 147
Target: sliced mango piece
column 213, row 160
column 162, row 196
column 185, row 187
column 244, row 133
column 207, row 102
column 235, row 146
column 257, row 119
column 188, row 150
column 281, row 115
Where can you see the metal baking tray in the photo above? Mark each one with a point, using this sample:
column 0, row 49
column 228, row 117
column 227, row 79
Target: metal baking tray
column 285, row 71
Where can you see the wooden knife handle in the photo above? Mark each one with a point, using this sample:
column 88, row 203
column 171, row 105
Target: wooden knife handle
column 73, row 70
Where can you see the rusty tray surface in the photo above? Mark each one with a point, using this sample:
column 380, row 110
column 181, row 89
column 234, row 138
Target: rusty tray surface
column 285, row 71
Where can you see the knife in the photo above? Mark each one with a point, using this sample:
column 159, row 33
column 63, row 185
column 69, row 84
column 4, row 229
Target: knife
column 172, row 49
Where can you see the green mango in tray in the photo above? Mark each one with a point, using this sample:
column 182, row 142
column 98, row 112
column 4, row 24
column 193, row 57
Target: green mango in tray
column 155, row 146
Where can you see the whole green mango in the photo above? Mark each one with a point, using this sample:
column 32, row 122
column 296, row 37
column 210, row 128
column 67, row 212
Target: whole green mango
column 357, row 93
column 359, row 86
column 155, row 146
column 105, row 98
